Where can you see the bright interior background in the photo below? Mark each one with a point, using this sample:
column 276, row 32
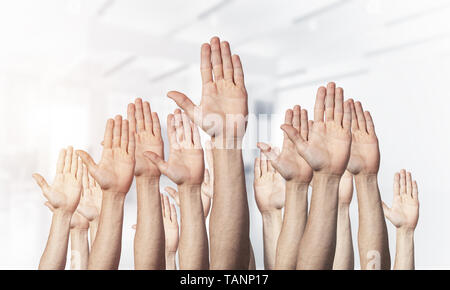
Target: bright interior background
column 67, row 66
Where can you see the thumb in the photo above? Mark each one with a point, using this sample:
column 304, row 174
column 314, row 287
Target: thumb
column 295, row 137
column 42, row 183
column 387, row 211
column 89, row 162
column 184, row 103
column 157, row 160
column 50, row 207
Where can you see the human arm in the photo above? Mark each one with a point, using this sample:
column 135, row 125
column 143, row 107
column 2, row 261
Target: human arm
column 344, row 256
column 171, row 232
column 404, row 215
column 364, row 164
column 63, row 196
column 222, row 114
column 114, row 174
column 79, row 242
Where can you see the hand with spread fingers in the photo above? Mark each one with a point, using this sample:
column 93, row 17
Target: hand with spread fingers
column 404, row 215
column 171, row 231
column 115, row 171
column 223, row 108
column 62, row 197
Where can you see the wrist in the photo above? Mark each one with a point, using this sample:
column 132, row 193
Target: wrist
column 113, row 197
column 61, row 213
column 366, row 177
column 148, row 179
column 223, row 142
column 405, row 232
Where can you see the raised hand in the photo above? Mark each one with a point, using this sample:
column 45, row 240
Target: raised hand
column 269, row 186
column 64, row 194
column 290, row 164
column 404, row 213
column 145, row 124
column 185, row 165
column 171, row 231
column 365, row 153
column 115, row 171
column 223, row 108
column 327, row 149
column 91, row 199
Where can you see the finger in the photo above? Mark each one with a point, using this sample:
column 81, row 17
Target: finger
column 257, row 168
column 131, row 116
column 68, row 160
column 347, row 119
column 263, row 159
column 42, row 183
column 396, row 184
column 205, row 64
column 166, row 206
column 131, row 143
column 310, row 127
column 163, row 210
column 156, row 124
column 124, row 135
column 266, row 149
column 148, row 122
column 85, row 179
column 304, row 124
column 61, row 161
column 319, row 107
column 187, row 129
column 409, row 184
column 295, row 137
column 140, row 124
column 386, row 211
column 209, row 156
column 80, row 166
column 89, row 162
column 196, row 136
column 173, row 194
column 206, row 178
column 354, row 118
column 270, row 168
column 117, row 131
column 296, row 119
column 216, row 58
column 360, row 116
column 90, row 179
column 173, row 213
column 184, row 103
column 369, row 123
column 179, row 126
column 238, row 72
column 339, row 106
column 74, row 164
column 226, row 59
column 403, row 181
column 171, row 130
column 415, row 191
column 329, row 101
column 158, row 161
column 108, row 139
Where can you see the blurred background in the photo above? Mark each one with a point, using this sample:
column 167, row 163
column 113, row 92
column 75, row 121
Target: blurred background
column 68, row 65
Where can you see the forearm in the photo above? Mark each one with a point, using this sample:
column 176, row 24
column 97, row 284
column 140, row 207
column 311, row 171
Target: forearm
column 404, row 254
column 229, row 221
column 271, row 231
column 171, row 261
column 55, row 253
column 93, row 227
column 79, row 247
column 372, row 233
column 317, row 247
column 343, row 257
column 105, row 253
column 294, row 222
column 149, row 240
column 193, row 248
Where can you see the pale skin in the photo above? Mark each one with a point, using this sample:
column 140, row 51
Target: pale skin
column 114, row 173
column 90, row 203
column 298, row 174
column 344, row 256
column 327, row 151
column 63, row 195
column 364, row 165
column 404, row 215
column 185, row 167
column 171, row 231
column 269, row 189
column 224, row 95
column 149, row 238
